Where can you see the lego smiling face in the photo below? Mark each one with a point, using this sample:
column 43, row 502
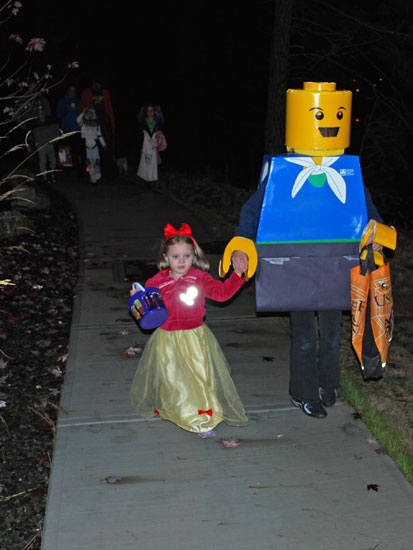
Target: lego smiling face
column 318, row 119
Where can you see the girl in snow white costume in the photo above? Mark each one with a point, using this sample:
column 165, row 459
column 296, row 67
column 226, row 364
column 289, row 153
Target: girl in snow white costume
column 183, row 375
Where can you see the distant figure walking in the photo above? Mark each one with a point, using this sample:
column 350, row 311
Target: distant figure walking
column 67, row 112
column 151, row 123
column 99, row 98
column 44, row 133
column 92, row 134
column 43, row 126
column 183, row 375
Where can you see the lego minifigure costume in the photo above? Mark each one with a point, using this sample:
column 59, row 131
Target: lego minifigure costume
column 306, row 219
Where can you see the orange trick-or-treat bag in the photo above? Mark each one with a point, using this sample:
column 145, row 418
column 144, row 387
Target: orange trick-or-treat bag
column 372, row 314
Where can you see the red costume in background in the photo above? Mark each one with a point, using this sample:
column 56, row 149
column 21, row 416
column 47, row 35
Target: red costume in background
column 87, row 100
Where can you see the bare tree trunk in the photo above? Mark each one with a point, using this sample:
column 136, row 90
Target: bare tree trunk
column 278, row 77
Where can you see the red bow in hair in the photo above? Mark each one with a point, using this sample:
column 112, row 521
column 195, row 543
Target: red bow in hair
column 184, row 230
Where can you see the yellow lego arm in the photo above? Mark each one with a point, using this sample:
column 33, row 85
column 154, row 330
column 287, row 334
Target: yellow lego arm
column 245, row 245
column 376, row 232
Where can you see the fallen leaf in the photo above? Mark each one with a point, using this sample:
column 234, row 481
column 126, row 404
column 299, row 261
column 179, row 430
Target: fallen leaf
column 373, row 487
column 56, row 372
column 131, row 351
column 380, row 451
column 267, row 358
column 230, row 442
column 357, row 415
column 37, row 493
column 43, row 343
column 112, row 479
column 14, row 319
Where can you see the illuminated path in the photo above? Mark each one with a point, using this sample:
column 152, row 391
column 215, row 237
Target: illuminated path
column 293, row 482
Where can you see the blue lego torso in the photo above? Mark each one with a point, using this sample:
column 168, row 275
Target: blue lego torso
column 308, row 203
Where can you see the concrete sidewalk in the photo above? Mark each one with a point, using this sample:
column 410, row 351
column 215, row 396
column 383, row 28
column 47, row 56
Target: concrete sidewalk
column 293, row 482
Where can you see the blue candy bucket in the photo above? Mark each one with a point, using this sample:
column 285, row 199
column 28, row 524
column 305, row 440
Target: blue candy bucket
column 148, row 308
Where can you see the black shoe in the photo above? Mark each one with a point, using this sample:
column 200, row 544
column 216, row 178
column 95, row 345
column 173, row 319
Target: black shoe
column 310, row 408
column 328, row 397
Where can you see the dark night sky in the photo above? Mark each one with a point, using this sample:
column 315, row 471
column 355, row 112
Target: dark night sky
column 206, row 64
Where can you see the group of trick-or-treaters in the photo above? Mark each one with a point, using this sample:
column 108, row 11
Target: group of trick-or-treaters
column 88, row 125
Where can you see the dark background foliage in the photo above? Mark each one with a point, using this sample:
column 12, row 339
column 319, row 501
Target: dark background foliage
column 207, row 64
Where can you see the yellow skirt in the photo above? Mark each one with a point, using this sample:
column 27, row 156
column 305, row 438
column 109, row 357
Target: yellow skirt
column 183, row 377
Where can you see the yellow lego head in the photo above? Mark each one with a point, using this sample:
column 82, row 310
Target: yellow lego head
column 318, row 119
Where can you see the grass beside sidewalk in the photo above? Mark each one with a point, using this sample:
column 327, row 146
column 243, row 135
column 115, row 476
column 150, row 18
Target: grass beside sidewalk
column 386, row 406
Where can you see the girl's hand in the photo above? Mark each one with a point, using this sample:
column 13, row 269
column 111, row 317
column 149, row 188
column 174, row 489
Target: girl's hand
column 132, row 292
column 239, row 262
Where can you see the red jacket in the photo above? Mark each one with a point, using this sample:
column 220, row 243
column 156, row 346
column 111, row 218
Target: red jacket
column 186, row 313
column 86, row 100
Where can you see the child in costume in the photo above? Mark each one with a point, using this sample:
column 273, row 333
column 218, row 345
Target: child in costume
column 152, row 140
column 92, row 134
column 183, row 375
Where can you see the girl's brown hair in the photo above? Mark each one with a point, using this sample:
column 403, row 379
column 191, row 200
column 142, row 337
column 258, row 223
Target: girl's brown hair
column 199, row 261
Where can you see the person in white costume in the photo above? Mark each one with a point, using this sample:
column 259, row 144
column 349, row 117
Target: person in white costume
column 92, row 134
column 151, row 122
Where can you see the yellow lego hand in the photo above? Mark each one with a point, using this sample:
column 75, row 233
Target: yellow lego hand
column 244, row 245
column 378, row 257
column 379, row 235
column 376, row 232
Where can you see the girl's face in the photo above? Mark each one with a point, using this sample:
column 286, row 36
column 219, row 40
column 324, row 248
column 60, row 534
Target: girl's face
column 180, row 257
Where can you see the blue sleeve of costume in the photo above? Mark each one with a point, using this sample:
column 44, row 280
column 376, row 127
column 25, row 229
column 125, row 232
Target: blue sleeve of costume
column 250, row 215
column 372, row 212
